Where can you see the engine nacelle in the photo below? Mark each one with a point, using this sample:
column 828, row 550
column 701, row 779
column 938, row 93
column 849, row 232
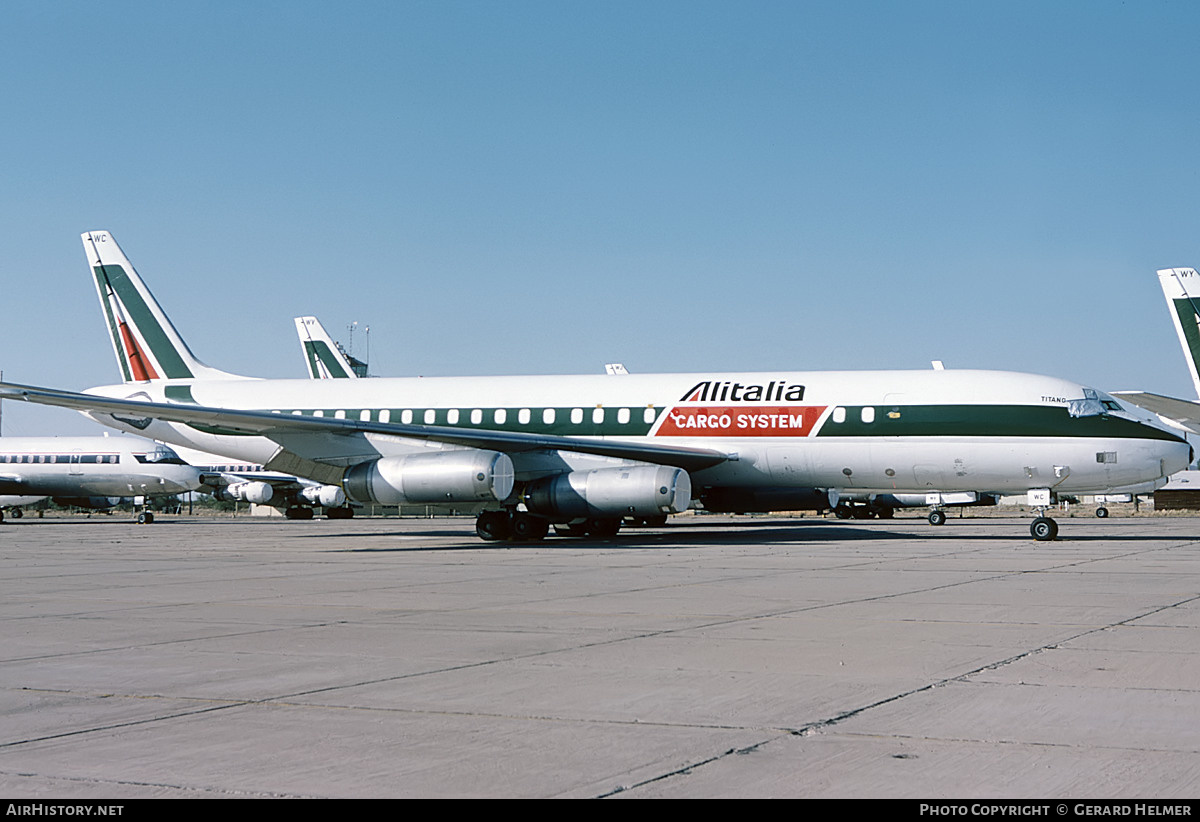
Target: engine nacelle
column 257, row 492
column 327, row 496
column 444, row 476
column 644, row 490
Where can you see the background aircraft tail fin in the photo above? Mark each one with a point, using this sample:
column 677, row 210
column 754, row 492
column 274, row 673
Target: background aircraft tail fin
column 146, row 344
column 324, row 357
column 1181, row 287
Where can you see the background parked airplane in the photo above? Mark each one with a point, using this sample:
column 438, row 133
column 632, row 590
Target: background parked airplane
column 229, row 479
column 93, row 472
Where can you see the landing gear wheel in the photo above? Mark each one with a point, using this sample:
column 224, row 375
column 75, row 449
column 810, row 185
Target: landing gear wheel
column 298, row 513
column 843, row 512
column 527, row 527
column 1044, row 529
column 493, row 525
column 17, row 513
column 145, row 518
column 344, row 512
column 887, row 513
column 937, row 517
column 1102, row 512
column 603, row 528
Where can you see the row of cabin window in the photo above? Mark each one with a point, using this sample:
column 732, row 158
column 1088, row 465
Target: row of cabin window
column 59, row 459
column 499, row 416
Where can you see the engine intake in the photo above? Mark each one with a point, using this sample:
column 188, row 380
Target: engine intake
column 445, row 476
column 644, row 490
column 257, row 492
column 327, row 496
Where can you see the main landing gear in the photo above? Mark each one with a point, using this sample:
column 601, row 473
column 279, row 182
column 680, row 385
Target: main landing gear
column 521, row 526
column 494, row 526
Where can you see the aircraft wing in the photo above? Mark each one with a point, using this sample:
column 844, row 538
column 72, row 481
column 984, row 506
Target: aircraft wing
column 301, row 434
column 1184, row 412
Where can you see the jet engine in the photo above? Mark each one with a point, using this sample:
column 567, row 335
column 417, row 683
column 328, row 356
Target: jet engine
column 644, row 490
column 327, row 496
column 257, row 492
column 444, row 476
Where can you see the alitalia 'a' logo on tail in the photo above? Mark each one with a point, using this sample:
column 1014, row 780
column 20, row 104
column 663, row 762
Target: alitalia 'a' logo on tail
column 143, row 347
column 134, row 361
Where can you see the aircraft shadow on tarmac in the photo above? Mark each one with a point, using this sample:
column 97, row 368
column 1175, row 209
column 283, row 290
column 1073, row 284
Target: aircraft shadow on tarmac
column 748, row 532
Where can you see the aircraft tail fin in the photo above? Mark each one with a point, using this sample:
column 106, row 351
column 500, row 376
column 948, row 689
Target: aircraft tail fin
column 1181, row 287
column 324, row 358
column 146, row 344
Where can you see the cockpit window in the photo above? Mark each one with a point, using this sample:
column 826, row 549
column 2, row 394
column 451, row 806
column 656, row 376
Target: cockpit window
column 161, row 455
column 1093, row 404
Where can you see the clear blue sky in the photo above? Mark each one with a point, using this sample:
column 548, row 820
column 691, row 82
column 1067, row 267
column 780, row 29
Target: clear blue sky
column 543, row 187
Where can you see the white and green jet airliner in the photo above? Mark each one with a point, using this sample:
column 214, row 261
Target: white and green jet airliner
column 588, row 451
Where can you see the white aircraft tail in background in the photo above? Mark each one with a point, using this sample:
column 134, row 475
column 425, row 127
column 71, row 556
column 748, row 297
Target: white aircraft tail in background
column 324, row 358
column 1181, row 287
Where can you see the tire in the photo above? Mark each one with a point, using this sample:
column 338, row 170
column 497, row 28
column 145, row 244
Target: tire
column 603, row 527
column 493, row 525
column 1102, row 512
column 298, row 513
column 1043, row 529
column 937, row 517
column 527, row 527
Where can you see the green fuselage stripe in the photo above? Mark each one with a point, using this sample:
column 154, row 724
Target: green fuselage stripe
column 985, row 421
column 978, row 421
